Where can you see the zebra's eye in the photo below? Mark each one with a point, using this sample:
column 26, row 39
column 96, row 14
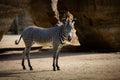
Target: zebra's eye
column 74, row 20
column 64, row 20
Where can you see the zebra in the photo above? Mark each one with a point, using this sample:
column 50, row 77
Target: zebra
column 56, row 35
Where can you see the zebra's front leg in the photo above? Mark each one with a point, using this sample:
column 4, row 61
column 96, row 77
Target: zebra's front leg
column 57, row 65
column 55, row 60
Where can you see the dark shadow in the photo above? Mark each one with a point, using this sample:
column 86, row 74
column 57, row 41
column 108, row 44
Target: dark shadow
column 18, row 55
column 12, row 73
column 2, row 50
column 46, row 53
column 71, row 48
column 7, row 74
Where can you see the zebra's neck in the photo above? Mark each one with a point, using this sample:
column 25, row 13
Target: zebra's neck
column 62, row 35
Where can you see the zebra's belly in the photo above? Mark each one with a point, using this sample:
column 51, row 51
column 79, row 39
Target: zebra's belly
column 44, row 43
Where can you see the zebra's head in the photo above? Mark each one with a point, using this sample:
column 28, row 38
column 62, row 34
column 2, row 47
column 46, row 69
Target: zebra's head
column 68, row 27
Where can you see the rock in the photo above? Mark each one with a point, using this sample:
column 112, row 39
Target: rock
column 40, row 10
column 97, row 26
column 9, row 9
column 98, row 22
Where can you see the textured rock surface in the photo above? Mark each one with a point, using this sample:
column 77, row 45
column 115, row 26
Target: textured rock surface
column 40, row 10
column 9, row 9
column 98, row 25
column 98, row 21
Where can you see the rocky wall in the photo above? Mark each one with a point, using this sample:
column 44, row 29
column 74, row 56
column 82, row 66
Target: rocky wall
column 98, row 21
column 41, row 11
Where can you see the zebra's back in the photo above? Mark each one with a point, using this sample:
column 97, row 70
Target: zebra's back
column 41, row 35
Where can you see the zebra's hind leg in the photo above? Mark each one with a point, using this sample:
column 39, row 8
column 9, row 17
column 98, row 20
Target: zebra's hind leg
column 23, row 59
column 28, row 57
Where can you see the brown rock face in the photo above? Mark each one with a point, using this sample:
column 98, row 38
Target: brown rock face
column 98, row 21
column 40, row 10
column 9, row 9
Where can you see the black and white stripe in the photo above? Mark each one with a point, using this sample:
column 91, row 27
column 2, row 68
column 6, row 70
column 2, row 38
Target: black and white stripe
column 56, row 35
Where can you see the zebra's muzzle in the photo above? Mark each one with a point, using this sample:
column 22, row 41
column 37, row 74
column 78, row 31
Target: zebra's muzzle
column 69, row 38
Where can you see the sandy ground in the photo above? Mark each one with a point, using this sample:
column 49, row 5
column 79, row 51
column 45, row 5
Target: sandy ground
column 74, row 66
column 8, row 41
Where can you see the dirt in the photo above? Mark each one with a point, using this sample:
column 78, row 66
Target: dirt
column 74, row 66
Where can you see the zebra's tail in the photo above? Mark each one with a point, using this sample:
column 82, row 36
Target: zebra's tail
column 17, row 41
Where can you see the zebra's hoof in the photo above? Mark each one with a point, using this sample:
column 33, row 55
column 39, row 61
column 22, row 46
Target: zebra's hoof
column 31, row 68
column 24, row 68
column 58, row 69
column 54, row 69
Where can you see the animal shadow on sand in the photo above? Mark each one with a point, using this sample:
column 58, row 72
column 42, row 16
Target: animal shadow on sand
column 17, row 73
